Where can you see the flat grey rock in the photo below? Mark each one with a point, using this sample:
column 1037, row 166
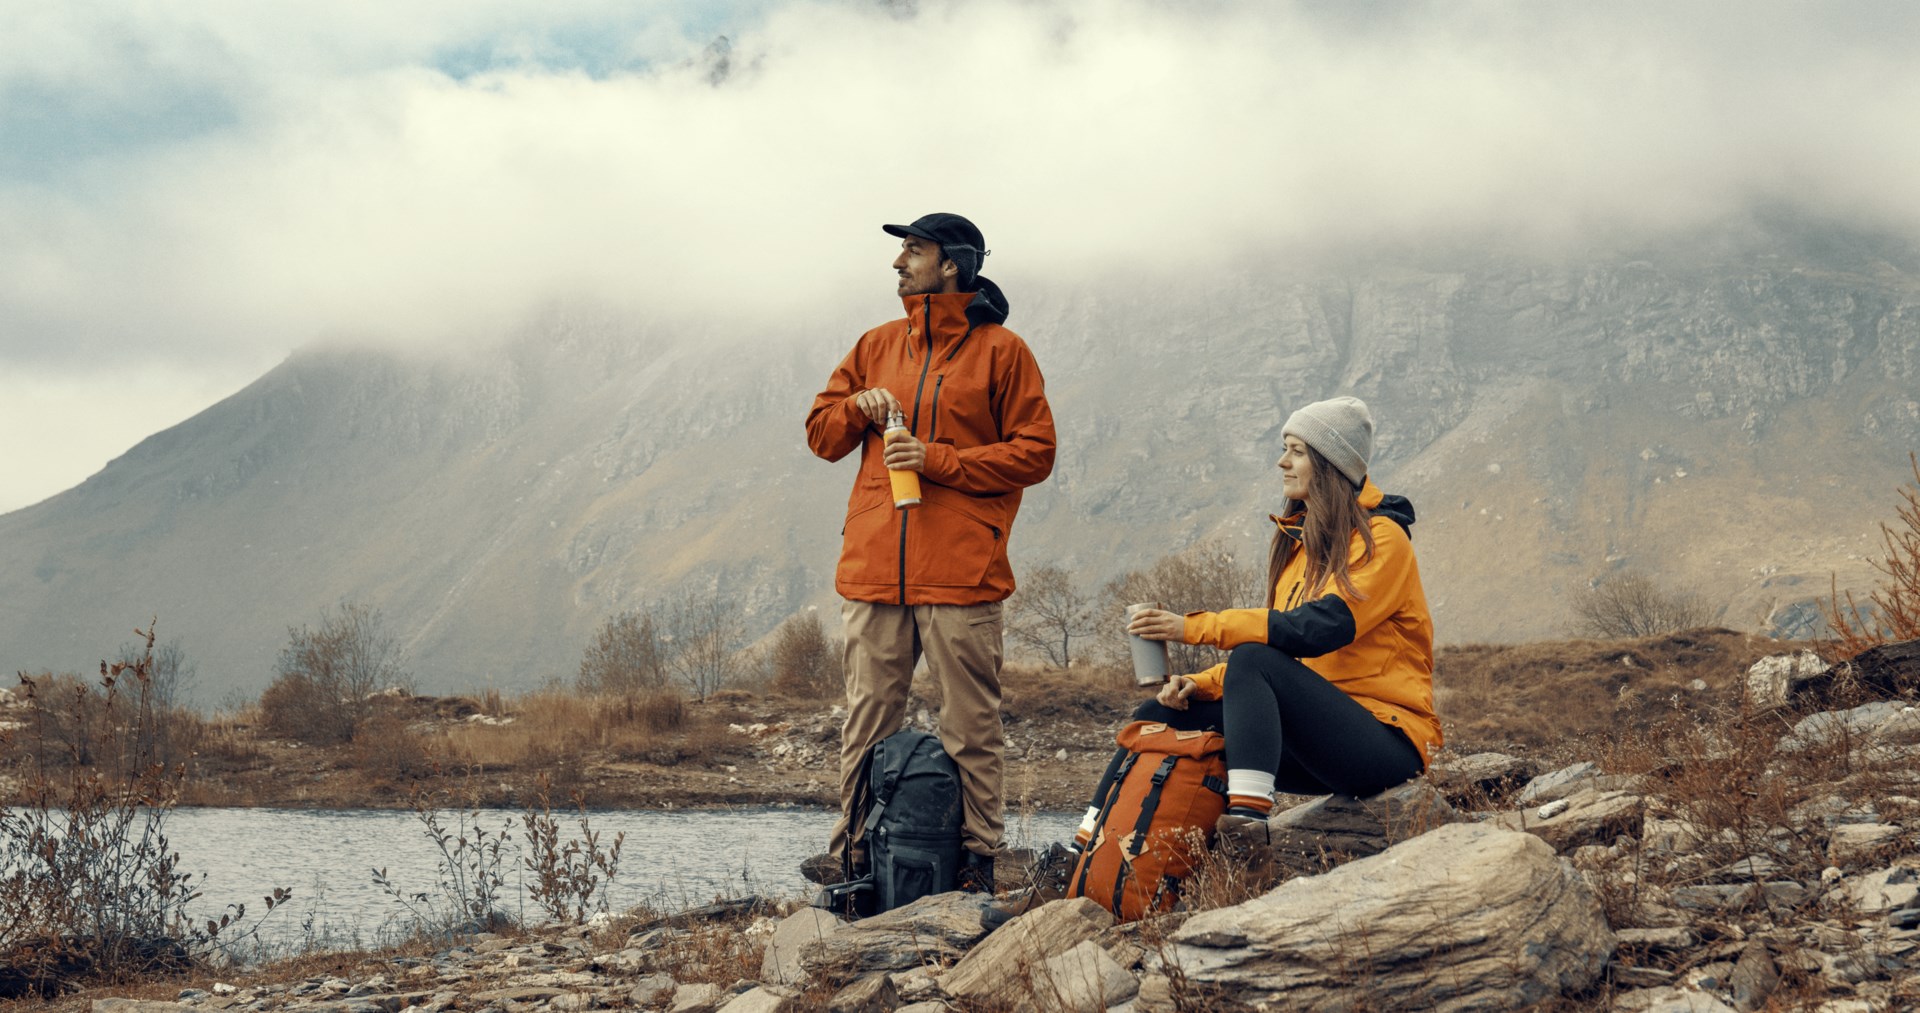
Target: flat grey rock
column 1467, row 916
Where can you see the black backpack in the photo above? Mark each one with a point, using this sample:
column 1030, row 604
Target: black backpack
column 907, row 814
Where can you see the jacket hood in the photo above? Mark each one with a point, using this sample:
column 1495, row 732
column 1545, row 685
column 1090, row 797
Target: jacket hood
column 989, row 304
column 1397, row 509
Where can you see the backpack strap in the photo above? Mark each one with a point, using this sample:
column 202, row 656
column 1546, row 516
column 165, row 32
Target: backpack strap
column 1148, row 806
column 1215, row 785
column 1100, row 821
column 892, row 763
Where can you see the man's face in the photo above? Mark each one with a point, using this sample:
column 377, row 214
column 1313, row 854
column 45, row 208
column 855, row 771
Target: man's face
column 922, row 270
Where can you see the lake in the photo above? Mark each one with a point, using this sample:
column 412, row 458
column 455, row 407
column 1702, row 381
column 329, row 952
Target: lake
column 671, row 859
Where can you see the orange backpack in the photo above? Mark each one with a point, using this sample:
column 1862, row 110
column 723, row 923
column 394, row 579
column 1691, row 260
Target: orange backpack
column 1159, row 812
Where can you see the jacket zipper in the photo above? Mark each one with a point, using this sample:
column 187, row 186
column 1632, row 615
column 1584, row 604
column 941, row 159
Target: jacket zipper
column 926, row 318
column 933, row 420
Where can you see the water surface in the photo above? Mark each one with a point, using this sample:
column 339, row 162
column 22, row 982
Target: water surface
column 671, row 859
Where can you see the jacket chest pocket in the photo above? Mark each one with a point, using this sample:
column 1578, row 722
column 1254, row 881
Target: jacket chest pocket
column 957, row 408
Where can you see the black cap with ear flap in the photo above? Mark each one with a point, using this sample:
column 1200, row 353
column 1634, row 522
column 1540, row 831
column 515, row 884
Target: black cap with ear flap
column 960, row 241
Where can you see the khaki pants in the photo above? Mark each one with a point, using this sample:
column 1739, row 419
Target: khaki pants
column 962, row 645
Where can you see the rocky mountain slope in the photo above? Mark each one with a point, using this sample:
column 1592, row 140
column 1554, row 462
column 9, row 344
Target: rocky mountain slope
column 1730, row 416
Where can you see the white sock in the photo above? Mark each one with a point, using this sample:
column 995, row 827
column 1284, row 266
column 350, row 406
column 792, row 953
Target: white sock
column 1257, row 783
column 1086, row 822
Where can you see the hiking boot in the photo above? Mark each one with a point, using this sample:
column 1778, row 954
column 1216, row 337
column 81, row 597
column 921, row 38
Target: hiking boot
column 825, row 868
column 1054, row 868
column 1015, row 904
column 976, row 873
column 1245, row 839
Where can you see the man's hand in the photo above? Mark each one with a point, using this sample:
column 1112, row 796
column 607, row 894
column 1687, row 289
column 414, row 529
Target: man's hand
column 1173, row 695
column 876, row 403
column 1154, row 624
column 904, row 453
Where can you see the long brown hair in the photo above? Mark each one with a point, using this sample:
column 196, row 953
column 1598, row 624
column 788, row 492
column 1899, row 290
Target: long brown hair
column 1333, row 516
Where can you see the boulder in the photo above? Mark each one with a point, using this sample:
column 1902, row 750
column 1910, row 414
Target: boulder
column 651, row 989
column 872, row 994
column 781, row 964
column 1885, row 890
column 1469, row 779
column 695, row 996
column 1892, row 669
column 1754, row 977
column 939, row 928
column 1671, row 999
column 1829, row 728
column 765, row 999
column 1902, row 729
column 1336, row 828
column 1557, row 784
column 1670, row 836
column 1588, row 817
column 1857, row 843
column 1773, row 680
column 1004, row 966
column 1084, row 979
column 1467, row 916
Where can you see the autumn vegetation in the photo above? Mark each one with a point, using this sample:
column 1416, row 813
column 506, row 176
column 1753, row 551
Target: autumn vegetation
column 90, row 890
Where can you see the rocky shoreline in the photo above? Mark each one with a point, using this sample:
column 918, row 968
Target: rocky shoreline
column 1770, row 866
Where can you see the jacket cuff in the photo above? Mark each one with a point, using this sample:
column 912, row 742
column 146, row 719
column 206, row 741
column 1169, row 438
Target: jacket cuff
column 943, row 464
column 1201, row 628
column 1209, row 685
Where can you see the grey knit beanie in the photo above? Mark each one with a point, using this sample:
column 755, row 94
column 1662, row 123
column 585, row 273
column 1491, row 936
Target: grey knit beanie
column 1341, row 429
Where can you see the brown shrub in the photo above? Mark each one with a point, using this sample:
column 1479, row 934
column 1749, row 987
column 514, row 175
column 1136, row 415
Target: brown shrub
column 387, row 748
column 806, row 662
column 1631, row 605
column 326, row 678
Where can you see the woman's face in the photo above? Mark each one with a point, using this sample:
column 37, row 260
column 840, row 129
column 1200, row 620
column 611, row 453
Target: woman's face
column 1296, row 469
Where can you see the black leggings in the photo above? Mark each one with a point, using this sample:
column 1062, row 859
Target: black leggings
column 1280, row 715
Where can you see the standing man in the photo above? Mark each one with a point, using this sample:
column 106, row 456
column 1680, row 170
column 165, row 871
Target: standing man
column 931, row 579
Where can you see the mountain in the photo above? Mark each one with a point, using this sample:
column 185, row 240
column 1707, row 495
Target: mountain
column 1730, row 415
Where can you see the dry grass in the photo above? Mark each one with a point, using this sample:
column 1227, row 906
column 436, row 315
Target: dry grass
column 1096, row 693
column 1550, row 698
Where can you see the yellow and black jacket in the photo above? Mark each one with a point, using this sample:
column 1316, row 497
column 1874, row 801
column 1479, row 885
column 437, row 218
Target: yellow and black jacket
column 1376, row 646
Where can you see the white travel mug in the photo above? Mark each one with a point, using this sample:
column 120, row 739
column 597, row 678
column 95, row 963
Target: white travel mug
column 1150, row 666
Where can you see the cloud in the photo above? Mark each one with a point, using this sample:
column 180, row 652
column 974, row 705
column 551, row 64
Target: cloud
column 425, row 171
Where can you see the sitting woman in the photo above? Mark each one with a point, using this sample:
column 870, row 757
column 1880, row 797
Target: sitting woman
column 1329, row 688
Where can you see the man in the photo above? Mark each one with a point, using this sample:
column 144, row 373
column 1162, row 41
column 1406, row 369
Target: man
column 931, row 578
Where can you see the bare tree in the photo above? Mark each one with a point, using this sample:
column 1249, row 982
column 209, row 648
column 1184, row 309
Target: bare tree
column 1631, row 605
column 324, row 684
column 805, row 661
column 707, row 633
column 172, row 731
column 1206, row 577
column 629, row 654
column 1048, row 614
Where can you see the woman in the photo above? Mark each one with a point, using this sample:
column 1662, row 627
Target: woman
column 1329, row 688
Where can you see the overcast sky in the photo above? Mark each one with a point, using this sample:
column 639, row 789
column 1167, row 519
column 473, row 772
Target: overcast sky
column 191, row 189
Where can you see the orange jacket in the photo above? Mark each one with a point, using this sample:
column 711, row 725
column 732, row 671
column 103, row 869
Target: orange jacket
column 973, row 393
column 1377, row 647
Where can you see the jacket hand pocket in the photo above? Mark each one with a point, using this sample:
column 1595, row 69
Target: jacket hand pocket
column 869, row 552
column 948, row 548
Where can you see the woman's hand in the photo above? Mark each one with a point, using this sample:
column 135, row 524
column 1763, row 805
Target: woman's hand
column 1173, row 695
column 1154, row 624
